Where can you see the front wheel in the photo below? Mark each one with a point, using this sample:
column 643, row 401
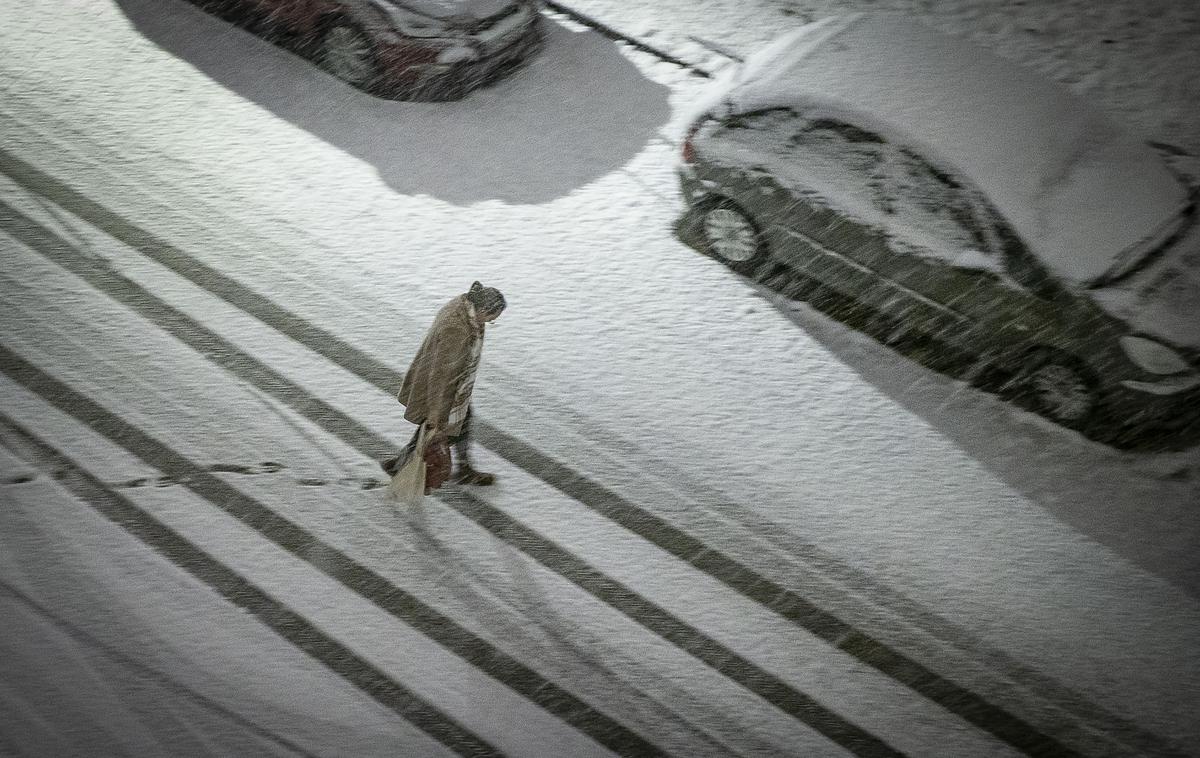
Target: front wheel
column 1058, row 388
column 347, row 54
column 733, row 237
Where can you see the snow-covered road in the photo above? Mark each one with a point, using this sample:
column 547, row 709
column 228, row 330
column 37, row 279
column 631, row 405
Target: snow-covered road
column 725, row 523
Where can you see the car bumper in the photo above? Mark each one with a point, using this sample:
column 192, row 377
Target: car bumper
column 1168, row 406
column 499, row 62
column 452, row 81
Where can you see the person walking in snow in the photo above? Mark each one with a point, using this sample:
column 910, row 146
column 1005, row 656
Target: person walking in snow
column 437, row 389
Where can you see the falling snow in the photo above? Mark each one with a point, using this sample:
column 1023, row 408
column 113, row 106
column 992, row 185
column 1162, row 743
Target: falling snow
column 633, row 391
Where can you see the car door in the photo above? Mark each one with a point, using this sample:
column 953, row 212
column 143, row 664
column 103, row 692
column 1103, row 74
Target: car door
column 744, row 158
column 831, row 226
column 947, row 268
column 943, row 272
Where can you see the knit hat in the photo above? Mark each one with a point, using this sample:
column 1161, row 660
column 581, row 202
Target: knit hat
column 487, row 300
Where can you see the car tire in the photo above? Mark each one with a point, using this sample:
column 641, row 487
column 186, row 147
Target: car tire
column 453, row 87
column 732, row 237
column 233, row 11
column 346, row 52
column 1057, row 387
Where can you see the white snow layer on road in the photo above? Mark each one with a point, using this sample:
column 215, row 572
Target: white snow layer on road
column 761, row 636
column 555, row 185
column 146, row 659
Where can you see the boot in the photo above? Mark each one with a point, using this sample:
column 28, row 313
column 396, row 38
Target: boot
column 468, row 475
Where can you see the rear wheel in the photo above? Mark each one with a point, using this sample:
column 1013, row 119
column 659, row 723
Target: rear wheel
column 347, row 54
column 733, row 237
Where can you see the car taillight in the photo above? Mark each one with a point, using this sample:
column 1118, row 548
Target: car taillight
column 689, row 150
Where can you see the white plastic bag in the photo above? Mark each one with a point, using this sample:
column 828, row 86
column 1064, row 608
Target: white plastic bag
column 408, row 484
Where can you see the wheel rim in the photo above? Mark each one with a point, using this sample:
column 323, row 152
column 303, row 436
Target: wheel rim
column 1061, row 392
column 730, row 234
column 346, row 55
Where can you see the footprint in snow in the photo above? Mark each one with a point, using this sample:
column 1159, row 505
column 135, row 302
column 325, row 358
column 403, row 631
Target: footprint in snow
column 363, row 484
column 266, row 467
column 230, row 468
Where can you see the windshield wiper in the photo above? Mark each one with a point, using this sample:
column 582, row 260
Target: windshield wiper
column 1186, row 219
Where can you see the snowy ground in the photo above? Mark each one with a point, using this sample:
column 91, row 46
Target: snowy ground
column 1056, row 578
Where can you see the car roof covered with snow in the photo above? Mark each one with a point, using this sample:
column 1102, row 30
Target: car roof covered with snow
column 1079, row 190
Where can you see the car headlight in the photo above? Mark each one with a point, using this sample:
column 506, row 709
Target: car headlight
column 1152, row 356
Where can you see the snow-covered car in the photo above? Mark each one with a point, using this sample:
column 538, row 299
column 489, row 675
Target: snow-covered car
column 957, row 194
column 406, row 49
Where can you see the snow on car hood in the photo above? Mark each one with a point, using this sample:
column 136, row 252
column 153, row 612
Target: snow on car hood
column 452, row 8
column 1077, row 188
column 1162, row 301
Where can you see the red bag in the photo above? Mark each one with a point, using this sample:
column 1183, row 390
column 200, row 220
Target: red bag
column 437, row 464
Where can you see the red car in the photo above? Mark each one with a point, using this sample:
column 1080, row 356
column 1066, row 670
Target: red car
column 406, row 49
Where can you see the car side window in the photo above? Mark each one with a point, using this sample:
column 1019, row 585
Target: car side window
column 765, row 121
column 755, row 139
column 929, row 213
column 822, row 154
column 839, row 162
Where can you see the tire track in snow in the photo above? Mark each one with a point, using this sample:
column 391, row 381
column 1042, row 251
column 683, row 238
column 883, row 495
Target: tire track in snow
column 956, row 699
column 355, row 576
column 361, row 579
column 653, row 712
column 303, row 545
column 277, row 616
column 48, row 455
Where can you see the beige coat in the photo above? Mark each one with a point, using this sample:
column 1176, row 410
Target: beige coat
column 444, row 368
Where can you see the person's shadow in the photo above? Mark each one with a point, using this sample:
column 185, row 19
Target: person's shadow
column 576, row 111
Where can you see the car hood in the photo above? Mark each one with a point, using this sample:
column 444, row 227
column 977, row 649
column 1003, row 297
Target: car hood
column 454, row 9
column 1162, row 300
